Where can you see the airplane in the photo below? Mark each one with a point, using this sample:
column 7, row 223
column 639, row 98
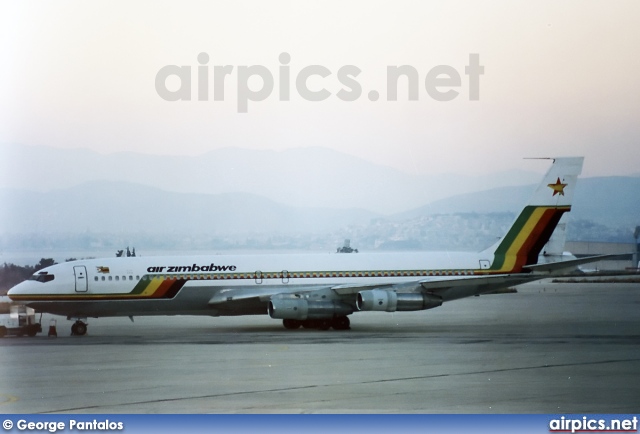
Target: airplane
column 308, row 290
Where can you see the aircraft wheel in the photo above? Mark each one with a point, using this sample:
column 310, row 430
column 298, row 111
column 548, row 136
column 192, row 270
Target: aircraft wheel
column 310, row 324
column 291, row 324
column 341, row 323
column 32, row 331
column 324, row 324
column 79, row 328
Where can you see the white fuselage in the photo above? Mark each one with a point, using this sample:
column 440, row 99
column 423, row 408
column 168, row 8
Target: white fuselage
column 196, row 285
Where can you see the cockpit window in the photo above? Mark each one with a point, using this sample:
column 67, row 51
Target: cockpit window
column 42, row 276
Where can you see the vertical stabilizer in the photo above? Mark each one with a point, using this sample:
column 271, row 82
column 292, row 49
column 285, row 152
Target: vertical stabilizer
column 536, row 222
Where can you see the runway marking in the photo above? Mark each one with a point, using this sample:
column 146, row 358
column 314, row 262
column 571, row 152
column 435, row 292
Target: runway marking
column 493, row 371
column 316, row 386
column 7, row 399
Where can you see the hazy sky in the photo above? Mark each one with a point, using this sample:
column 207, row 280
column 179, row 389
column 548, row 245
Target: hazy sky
column 560, row 78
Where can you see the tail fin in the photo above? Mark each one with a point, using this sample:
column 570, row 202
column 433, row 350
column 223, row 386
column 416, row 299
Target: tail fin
column 535, row 224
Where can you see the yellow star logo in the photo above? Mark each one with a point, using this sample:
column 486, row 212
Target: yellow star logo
column 558, row 187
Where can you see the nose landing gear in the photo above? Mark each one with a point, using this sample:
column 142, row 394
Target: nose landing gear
column 79, row 328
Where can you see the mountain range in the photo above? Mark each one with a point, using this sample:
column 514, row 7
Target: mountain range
column 303, row 177
column 235, row 191
column 121, row 207
column 103, row 206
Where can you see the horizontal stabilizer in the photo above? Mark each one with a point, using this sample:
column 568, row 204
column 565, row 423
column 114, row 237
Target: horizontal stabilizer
column 570, row 264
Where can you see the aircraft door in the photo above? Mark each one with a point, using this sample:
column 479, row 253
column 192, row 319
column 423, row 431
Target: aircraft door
column 80, row 272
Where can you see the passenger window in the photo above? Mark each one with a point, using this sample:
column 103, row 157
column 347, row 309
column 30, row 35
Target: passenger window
column 117, row 278
column 95, row 278
column 103, row 278
column 130, row 277
column 110, row 278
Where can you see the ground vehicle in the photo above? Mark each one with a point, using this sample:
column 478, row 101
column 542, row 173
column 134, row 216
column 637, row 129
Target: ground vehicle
column 17, row 320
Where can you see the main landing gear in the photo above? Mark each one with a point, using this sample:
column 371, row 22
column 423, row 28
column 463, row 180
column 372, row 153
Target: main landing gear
column 79, row 328
column 338, row 323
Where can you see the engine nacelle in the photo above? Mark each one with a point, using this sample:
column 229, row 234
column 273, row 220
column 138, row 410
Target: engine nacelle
column 301, row 309
column 391, row 301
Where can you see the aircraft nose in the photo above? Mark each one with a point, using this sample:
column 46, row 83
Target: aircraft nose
column 12, row 291
column 16, row 290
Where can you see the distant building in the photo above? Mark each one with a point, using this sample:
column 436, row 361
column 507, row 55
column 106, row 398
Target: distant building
column 346, row 248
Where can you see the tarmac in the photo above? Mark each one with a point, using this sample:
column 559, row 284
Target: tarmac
column 549, row 348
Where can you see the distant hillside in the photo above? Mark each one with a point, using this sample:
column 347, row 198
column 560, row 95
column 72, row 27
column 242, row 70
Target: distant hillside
column 610, row 201
column 119, row 207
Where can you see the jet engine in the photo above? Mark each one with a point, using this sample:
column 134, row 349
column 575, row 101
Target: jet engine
column 301, row 309
column 391, row 301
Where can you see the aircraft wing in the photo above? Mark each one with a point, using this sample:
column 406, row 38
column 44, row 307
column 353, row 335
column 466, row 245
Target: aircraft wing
column 354, row 289
column 470, row 284
column 234, row 294
column 237, row 294
column 476, row 284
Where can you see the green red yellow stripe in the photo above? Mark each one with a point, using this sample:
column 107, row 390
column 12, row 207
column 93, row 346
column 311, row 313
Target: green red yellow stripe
column 526, row 238
column 147, row 288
